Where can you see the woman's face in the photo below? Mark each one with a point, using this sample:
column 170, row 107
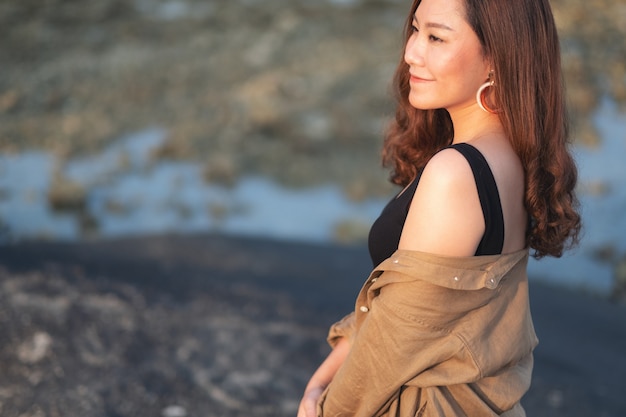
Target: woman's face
column 445, row 58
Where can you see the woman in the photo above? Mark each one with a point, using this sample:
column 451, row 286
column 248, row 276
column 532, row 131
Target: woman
column 442, row 326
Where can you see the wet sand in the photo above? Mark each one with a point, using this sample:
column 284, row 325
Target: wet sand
column 208, row 325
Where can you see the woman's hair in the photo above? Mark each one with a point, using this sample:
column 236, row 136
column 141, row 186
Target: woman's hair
column 520, row 39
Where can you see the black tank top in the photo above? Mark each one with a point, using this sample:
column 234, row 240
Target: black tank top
column 385, row 233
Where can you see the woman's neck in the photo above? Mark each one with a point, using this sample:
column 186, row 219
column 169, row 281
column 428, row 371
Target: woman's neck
column 473, row 123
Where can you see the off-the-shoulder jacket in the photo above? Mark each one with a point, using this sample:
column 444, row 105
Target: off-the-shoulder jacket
column 436, row 336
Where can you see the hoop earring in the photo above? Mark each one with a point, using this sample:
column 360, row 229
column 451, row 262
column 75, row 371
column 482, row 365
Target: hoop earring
column 480, row 99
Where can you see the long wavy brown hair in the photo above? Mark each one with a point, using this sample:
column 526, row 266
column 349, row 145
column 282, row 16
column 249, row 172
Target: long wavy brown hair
column 520, row 38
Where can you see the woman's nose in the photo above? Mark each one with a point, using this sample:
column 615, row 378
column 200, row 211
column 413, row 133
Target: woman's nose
column 413, row 52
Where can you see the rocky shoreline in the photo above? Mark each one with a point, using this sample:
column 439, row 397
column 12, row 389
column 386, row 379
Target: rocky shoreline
column 293, row 90
column 209, row 325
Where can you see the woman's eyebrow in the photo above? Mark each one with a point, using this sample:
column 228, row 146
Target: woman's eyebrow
column 434, row 25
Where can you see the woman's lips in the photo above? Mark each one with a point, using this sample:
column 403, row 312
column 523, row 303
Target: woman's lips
column 417, row 79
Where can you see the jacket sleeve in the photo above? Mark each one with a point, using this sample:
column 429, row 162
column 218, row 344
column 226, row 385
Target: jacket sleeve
column 404, row 338
column 343, row 328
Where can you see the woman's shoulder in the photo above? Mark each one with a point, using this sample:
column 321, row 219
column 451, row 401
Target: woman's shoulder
column 448, row 174
column 445, row 216
column 447, row 167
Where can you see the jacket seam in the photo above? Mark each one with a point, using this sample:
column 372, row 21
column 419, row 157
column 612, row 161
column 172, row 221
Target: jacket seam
column 471, row 354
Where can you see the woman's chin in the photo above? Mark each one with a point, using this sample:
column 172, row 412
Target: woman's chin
column 419, row 104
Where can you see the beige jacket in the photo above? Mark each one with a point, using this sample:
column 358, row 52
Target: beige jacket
column 436, row 336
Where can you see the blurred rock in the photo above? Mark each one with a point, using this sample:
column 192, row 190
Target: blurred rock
column 619, row 288
column 312, row 76
column 174, row 411
column 66, row 195
column 34, row 349
column 351, row 232
column 8, row 100
column 221, row 169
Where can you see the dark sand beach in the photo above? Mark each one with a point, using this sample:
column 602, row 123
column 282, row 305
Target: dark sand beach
column 209, row 325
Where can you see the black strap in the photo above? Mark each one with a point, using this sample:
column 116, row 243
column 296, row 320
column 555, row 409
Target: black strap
column 493, row 239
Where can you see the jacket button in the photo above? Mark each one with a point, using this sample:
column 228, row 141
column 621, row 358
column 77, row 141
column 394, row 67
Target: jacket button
column 364, row 309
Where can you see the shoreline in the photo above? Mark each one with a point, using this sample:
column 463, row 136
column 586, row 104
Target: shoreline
column 229, row 326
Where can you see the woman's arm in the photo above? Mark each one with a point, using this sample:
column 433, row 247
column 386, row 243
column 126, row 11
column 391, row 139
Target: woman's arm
column 322, row 377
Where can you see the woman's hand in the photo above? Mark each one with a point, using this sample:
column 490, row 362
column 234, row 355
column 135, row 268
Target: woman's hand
column 308, row 404
column 321, row 378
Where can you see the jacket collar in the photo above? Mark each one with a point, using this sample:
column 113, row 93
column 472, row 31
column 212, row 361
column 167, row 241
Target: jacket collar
column 463, row 273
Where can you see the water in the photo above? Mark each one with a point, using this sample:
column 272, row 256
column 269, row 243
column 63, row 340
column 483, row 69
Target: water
column 128, row 193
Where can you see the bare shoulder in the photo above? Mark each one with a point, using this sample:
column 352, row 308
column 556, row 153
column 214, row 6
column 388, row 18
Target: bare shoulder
column 445, row 176
column 447, row 165
column 445, row 216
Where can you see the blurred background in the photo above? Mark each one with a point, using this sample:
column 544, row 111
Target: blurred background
column 256, row 117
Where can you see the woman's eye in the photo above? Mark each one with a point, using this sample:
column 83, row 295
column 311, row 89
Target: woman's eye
column 435, row 39
column 414, row 29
